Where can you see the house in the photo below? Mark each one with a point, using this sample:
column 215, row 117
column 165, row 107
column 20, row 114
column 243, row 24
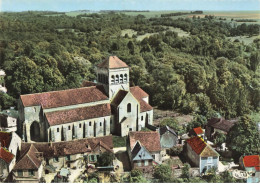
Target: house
column 2, row 81
column 218, row 125
column 252, row 165
column 8, row 123
column 198, row 131
column 201, row 154
column 168, row 137
column 29, row 167
column 10, row 144
column 72, row 154
column 144, row 149
column 7, row 161
column 109, row 106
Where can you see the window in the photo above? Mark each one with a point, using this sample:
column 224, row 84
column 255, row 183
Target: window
column 146, row 163
column 121, row 78
column 130, row 129
column 139, row 163
column 210, row 160
column 90, row 123
column 68, row 157
column 58, row 129
column 56, row 159
column 69, row 128
column 20, row 173
column 100, row 124
column 117, row 79
column 129, row 107
column 92, row 158
column 112, row 79
column 31, row 172
column 153, row 156
column 125, row 78
column 80, row 125
column 142, row 118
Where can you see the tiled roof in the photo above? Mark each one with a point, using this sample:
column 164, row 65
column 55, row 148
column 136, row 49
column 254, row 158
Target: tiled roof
column 150, row 140
column 197, row 144
column 252, row 161
column 139, row 94
column 221, row 124
column 6, row 155
column 88, row 84
column 28, row 160
column 64, row 97
column 113, row 62
column 119, row 97
column 5, row 139
column 198, row 130
column 56, row 149
column 77, row 114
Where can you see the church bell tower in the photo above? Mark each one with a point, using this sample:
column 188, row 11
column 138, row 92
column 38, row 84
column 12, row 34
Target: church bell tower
column 113, row 74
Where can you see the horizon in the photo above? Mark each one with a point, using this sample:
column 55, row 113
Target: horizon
column 128, row 5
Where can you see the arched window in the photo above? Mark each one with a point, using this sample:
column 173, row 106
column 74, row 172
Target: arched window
column 121, row 78
column 117, row 79
column 129, row 107
column 125, row 78
column 112, row 79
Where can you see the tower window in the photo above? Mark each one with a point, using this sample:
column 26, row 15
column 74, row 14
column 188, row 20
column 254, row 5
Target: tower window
column 58, row 130
column 121, row 78
column 129, row 107
column 80, row 125
column 112, row 79
column 117, row 79
column 125, row 78
column 100, row 124
column 90, row 123
column 69, row 128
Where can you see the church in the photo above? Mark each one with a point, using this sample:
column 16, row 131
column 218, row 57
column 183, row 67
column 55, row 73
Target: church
column 107, row 107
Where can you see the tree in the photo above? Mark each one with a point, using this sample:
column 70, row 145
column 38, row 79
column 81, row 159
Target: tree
column 136, row 176
column 6, row 101
column 185, row 171
column 219, row 138
column 243, row 138
column 163, row 173
column 105, row 159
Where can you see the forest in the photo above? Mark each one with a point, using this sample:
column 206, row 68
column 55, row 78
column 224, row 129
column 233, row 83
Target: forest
column 204, row 73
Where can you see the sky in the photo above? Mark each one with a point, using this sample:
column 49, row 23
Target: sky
column 70, row 5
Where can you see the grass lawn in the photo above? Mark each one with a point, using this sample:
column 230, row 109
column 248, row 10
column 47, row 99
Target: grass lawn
column 119, row 141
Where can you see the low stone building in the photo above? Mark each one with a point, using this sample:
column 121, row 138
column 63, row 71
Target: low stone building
column 8, row 123
column 144, row 149
column 107, row 107
column 218, row 125
column 201, row 154
column 72, row 154
column 252, row 165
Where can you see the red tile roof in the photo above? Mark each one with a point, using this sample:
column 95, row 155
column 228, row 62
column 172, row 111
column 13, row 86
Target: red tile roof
column 56, row 149
column 113, row 62
column 150, row 140
column 119, row 97
column 5, row 139
column 64, row 97
column 198, row 130
column 139, row 94
column 77, row 114
column 28, row 160
column 251, row 161
column 6, row 155
column 197, row 144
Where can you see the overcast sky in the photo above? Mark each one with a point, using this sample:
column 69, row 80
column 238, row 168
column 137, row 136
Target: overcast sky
column 70, row 5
